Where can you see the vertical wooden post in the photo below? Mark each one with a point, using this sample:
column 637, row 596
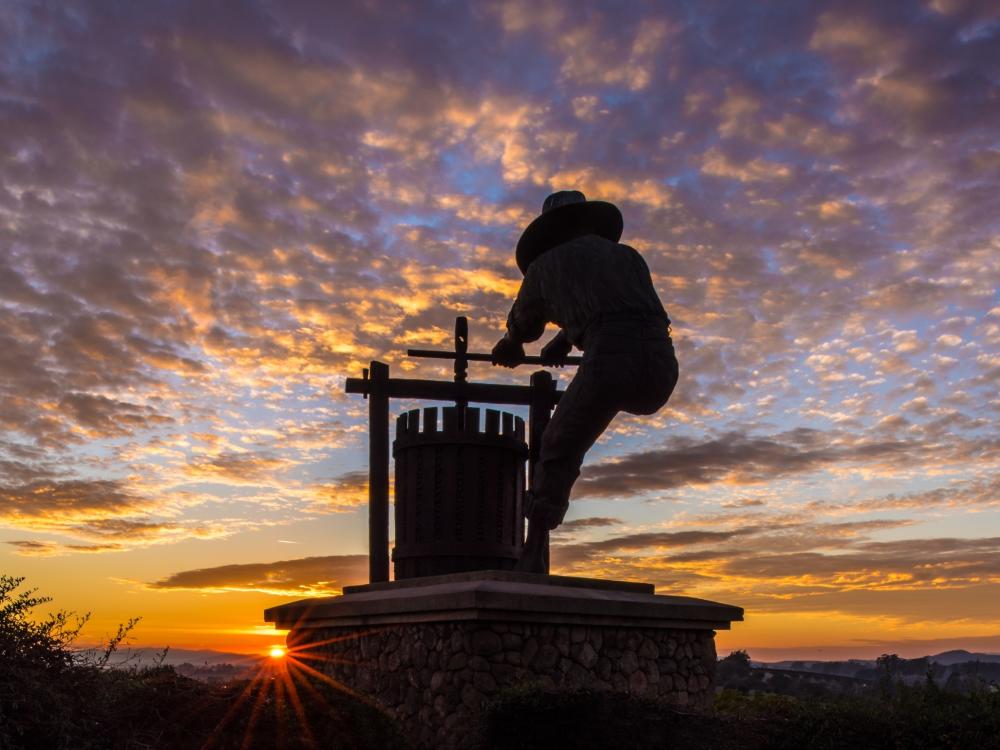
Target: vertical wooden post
column 539, row 413
column 461, row 365
column 378, row 473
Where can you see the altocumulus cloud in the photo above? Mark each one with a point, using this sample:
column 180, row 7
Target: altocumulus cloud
column 733, row 458
column 211, row 212
column 304, row 576
column 807, row 567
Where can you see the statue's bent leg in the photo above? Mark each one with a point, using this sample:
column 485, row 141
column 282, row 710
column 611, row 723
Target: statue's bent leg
column 617, row 374
column 582, row 414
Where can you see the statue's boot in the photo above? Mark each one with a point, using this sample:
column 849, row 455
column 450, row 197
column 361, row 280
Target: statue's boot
column 533, row 553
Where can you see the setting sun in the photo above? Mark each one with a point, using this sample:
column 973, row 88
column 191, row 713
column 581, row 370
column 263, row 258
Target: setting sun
column 277, row 652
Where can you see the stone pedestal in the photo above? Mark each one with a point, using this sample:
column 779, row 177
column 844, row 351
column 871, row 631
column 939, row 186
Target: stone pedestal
column 432, row 650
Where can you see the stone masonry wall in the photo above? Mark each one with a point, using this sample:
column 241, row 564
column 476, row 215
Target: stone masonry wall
column 434, row 677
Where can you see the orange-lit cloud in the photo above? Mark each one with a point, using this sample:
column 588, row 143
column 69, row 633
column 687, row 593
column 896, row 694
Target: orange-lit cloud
column 311, row 576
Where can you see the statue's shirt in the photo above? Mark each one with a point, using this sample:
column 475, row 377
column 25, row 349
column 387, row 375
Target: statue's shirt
column 580, row 283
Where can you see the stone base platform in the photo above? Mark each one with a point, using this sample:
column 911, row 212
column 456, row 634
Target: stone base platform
column 431, row 650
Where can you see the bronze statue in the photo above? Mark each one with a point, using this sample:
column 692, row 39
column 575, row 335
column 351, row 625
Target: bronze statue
column 600, row 294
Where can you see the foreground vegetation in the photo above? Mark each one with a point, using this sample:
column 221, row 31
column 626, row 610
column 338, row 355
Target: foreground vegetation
column 52, row 696
column 921, row 717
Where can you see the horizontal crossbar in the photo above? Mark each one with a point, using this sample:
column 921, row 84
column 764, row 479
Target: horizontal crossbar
column 444, row 390
column 479, row 357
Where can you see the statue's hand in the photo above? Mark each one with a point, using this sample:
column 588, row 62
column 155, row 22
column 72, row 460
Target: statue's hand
column 507, row 353
column 556, row 350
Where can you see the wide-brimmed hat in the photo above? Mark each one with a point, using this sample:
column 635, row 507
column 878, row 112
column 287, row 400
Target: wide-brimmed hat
column 562, row 215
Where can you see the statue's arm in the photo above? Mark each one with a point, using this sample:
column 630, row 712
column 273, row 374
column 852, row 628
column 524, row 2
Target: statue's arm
column 526, row 320
column 557, row 348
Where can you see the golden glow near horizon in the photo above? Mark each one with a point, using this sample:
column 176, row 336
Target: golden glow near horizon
column 276, row 652
column 197, row 252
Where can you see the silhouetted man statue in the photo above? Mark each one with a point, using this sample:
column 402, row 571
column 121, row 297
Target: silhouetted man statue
column 600, row 295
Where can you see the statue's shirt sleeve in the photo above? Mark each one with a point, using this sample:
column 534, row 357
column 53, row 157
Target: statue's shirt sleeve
column 579, row 282
column 526, row 321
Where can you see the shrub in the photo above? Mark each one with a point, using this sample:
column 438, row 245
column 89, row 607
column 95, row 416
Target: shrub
column 529, row 717
column 920, row 717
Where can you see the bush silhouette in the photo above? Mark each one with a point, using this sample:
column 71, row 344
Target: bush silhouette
column 54, row 697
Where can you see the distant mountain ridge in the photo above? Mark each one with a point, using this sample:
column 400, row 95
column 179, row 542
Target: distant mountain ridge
column 959, row 656
column 147, row 657
column 945, row 658
column 210, row 658
column 955, row 671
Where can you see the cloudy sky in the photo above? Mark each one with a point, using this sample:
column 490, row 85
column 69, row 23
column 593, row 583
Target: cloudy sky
column 212, row 213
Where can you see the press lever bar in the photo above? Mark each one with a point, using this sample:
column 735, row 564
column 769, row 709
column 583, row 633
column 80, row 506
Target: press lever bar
column 480, row 357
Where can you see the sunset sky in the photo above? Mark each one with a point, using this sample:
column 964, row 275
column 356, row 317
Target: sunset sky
column 211, row 213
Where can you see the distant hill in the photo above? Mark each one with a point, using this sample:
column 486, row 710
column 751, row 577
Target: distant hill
column 175, row 656
column 957, row 671
column 847, row 666
column 959, row 656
